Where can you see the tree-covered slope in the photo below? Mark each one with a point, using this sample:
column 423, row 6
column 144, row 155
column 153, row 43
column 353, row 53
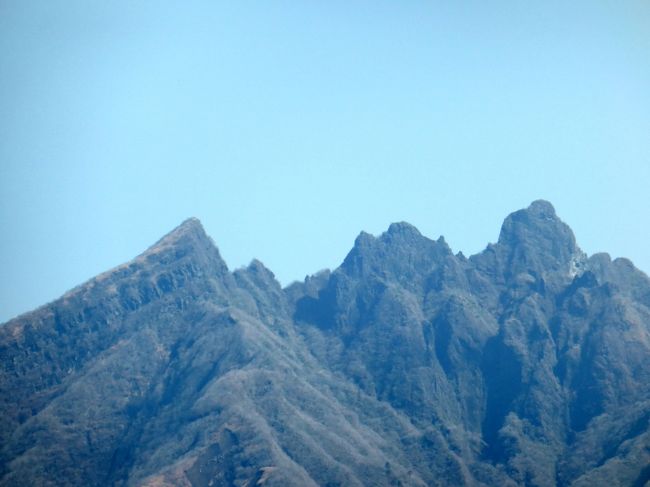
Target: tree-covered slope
column 526, row 364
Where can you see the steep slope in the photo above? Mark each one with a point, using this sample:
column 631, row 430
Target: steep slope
column 527, row 364
column 181, row 373
column 72, row 371
column 522, row 356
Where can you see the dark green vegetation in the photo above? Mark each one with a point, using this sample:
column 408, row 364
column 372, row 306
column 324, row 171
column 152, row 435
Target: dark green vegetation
column 527, row 364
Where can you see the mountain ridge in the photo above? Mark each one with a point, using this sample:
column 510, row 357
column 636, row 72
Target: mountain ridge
column 525, row 364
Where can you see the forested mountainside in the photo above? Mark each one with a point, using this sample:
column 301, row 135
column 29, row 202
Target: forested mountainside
column 527, row 364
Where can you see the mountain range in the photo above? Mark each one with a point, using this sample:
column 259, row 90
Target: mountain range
column 527, row 364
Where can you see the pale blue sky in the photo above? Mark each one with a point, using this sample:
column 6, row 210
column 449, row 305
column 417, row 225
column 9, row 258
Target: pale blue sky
column 289, row 126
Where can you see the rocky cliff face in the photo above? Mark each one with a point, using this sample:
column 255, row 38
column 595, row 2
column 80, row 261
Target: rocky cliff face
column 527, row 364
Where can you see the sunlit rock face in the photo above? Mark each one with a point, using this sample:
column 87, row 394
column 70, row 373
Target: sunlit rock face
column 527, row 364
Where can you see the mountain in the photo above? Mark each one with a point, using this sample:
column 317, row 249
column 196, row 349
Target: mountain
column 526, row 364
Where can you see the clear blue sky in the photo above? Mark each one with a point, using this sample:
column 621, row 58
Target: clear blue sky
column 289, row 126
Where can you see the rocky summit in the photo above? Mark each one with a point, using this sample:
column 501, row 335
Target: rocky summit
column 527, row 364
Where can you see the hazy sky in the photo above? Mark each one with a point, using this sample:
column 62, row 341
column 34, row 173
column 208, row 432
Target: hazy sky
column 288, row 127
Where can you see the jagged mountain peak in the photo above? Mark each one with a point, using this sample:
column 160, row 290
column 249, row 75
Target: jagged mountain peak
column 542, row 208
column 187, row 240
column 189, row 224
column 535, row 240
column 400, row 251
column 260, row 273
column 406, row 365
column 403, row 229
column 364, row 239
column 538, row 224
column 399, row 236
column 189, row 231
